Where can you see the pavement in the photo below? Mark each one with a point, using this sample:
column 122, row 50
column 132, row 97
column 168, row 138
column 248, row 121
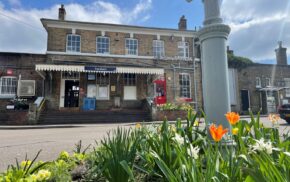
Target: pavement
column 17, row 141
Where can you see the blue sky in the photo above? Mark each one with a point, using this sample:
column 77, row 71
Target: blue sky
column 256, row 25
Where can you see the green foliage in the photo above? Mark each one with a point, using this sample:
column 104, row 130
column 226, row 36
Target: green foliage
column 172, row 152
column 115, row 158
column 238, row 62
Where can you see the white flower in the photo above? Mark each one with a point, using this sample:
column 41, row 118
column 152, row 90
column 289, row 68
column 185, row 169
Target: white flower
column 193, row 152
column 179, row 139
column 260, row 145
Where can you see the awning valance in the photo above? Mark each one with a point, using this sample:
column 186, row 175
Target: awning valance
column 152, row 71
column 272, row 89
column 99, row 69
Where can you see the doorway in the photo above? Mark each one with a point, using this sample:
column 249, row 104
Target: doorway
column 245, row 100
column 71, row 98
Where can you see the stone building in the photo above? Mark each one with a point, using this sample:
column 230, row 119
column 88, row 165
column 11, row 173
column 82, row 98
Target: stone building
column 262, row 87
column 117, row 64
column 105, row 67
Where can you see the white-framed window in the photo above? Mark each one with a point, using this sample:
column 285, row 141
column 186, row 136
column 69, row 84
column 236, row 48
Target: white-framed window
column 131, row 46
column 258, row 82
column 130, row 89
column 268, row 82
column 184, row 83
column 183, row 49
column 73, row 43
column 129, row 79
column 287, row 84
column 8, row 86
column 158, row 48
column 103, row 45
column 69, row 75
column 103, row 85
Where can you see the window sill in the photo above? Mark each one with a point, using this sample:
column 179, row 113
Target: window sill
column 7, row 96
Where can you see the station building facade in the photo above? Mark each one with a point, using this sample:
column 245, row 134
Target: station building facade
column 95, row 66
column 98, row 66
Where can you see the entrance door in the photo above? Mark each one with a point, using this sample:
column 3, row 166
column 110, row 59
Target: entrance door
column 71, row 91
column 245, row 100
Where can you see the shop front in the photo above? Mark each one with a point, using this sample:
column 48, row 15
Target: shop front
column 94, row 87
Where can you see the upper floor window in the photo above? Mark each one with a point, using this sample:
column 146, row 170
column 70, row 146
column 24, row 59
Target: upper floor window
column 258, row 82
column 184, row 83
column 73, row 43
column 268, row 82
column 183, row 49
column 103, row 45
column 158, row 48
column 131, row 46
column 8, row 86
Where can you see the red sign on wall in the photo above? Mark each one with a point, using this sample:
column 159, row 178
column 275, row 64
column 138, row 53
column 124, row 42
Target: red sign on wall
column 9, row 72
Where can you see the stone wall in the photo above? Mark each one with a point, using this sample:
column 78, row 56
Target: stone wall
column 247, row 81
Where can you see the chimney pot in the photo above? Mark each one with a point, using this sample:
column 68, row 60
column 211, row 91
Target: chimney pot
column 281, row 54
column 182, row 25
column 61, row 13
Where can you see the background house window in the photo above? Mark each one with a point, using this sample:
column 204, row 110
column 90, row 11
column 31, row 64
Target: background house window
column 131, row 46
column 8, row 87
column 287, row 84
column 183, row 49
column 158, row 48
column 130, row 89
column 103, row 84
column 258, row 82
column 103, row 45
column 73, row 43
column 184, row 83
column 268, row 82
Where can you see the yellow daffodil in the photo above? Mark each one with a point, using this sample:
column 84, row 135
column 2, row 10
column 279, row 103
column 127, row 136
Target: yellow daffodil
column 25, row 163
column 274, row 118
column 43, row 175
column 235, row 131
column 138, row 126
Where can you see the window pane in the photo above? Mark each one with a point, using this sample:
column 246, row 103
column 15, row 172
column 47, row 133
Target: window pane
column 73, row 43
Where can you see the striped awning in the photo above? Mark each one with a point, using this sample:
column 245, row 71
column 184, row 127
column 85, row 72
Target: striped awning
column 99, row 69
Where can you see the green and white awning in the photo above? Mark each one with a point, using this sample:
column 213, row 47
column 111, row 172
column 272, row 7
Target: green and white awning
column 99, row 69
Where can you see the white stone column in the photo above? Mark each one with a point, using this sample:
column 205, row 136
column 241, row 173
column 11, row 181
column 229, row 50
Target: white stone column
column 213, row 37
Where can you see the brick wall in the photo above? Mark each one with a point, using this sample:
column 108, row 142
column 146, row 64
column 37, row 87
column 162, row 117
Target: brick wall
column 57, row 42
column 247, row 81
column 24, row 65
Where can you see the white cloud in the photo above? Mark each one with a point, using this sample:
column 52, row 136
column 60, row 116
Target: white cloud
column 22, row 31
column 257, row 26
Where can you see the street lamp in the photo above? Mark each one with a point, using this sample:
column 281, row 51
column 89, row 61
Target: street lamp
column 213, row 36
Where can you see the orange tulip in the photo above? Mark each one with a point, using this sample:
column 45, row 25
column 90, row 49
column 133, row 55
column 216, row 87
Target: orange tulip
column 217, row 132
column 233, row 117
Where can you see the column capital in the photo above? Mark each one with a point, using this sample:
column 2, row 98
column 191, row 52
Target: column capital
column 212, row 31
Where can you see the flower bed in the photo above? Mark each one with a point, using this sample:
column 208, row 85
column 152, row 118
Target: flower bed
column 175, row 152
column 172, row 112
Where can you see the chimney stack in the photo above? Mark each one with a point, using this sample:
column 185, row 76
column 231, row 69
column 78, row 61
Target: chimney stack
column 281, row 54
column 182, row 25
column 61, row 13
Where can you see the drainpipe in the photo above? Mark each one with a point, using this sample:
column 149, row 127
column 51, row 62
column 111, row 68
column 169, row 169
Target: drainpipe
column 195, row 84
column 43, row 78
column 174, row 79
